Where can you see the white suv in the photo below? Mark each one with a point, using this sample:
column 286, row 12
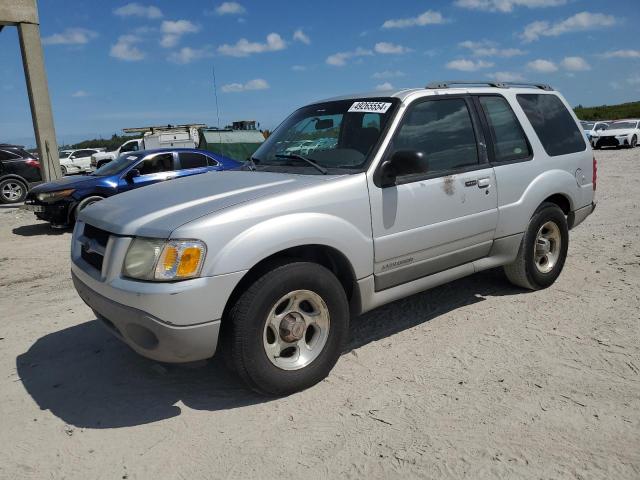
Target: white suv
column 407, row 190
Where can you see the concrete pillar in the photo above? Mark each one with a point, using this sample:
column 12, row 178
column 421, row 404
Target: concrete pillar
column 36, row 77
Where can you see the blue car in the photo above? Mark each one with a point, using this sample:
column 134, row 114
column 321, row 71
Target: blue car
column 60, row 201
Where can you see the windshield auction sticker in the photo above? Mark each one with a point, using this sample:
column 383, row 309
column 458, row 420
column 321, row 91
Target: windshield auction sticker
column 370, row 107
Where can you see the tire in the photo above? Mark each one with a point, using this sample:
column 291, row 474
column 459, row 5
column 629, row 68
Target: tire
column 634, row 142
column 12, row 190
column 85, row 202
column 530, row 270
column 63, row 170
column 250, row 342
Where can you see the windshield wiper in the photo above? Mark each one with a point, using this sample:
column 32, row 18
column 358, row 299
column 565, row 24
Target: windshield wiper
column 295, row 156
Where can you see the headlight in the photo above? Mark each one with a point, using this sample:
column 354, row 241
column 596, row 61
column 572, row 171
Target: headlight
column 50, row 197
column 164, row 260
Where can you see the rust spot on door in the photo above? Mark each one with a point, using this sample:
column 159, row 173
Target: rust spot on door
column 448, row 185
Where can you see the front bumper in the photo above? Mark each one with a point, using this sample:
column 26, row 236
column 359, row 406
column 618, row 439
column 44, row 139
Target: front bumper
column 55, row 213
column 612, row 142
column 149, row 336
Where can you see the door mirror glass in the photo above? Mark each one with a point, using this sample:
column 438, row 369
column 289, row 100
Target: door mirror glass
column 408, row 162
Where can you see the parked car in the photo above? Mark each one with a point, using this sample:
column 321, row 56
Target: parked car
column 102, row 158
column 19, row 171
column 268, row 265
column 76, row 161
column 621, row 133
column 60, row 201
column 593, row 129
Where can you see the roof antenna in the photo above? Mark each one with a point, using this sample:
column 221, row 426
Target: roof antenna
column 215, row 92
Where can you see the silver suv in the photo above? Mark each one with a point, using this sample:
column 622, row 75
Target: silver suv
column 396, row 192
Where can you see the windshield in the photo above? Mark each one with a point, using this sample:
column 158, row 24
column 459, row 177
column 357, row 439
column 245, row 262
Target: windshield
column 116, row 166
column 338, row 136
column 65, row 154
column 621, row 125
column 587, row 126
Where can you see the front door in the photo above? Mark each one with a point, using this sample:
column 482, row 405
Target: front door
column 440, row 214
column 153, row 169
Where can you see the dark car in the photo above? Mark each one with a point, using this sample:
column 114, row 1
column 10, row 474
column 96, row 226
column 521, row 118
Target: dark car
column 19, row 171
column 60, row 201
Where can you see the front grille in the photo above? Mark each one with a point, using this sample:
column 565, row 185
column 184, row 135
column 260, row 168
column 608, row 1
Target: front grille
column 607, row 142
column 97, row 234
column 94, row 243
column 92, row 258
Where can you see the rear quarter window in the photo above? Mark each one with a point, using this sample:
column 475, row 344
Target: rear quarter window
column 553, row 124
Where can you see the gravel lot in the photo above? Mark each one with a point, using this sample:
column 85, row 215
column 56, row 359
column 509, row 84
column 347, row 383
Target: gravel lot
column 472, row 379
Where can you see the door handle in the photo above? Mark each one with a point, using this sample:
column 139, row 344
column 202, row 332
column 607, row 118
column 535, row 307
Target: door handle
column 484, row 182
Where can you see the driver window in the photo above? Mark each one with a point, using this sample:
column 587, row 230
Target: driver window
column 443, row 131
column 156, row 164
column 132, row 147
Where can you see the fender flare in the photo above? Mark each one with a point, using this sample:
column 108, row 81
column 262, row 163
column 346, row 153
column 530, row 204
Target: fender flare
column 294, row 230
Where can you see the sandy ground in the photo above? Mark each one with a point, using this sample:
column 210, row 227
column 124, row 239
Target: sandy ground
column 473, row 379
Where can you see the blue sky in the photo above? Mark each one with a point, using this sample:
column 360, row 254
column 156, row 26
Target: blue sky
column 125, row 64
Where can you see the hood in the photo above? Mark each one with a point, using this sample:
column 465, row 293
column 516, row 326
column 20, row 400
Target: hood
column 63, row 183
column 610, row 132
column 157, row 210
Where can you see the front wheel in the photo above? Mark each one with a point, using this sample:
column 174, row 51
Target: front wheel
column 287, row 330
column 12, row 191
column 63, row 170
column 84, row 203
column 634, row 142
column 543, row 249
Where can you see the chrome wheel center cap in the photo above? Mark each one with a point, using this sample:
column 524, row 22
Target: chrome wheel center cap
column 292, row 327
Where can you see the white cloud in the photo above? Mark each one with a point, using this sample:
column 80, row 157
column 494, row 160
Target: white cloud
column 506, row 76
column 125, row 49
column 70, row 36
column 300, row 36
column 390, row 48
column 340, row 59
column 429, row 17
column 621, row 54
column 244, row 48
column 465, row 65
column 575, row 64
column 506, row 5
column 257, row 84
column 230, row 8
column 486, row 48
column 136, row 10
column 579, row 22
column 173, row 30
column 79, row 94
column 542, row 66
column 187, row 55
column 384, row 86
column 388, row 74
column 299, row 68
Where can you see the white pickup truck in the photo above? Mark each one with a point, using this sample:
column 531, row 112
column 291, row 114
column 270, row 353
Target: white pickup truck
column 182, row 136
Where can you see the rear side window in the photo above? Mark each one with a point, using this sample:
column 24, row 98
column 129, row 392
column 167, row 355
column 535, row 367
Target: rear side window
column 509, row 141
column 192, row 160
column 4, row 155
column 553, row 124
column 443, row 131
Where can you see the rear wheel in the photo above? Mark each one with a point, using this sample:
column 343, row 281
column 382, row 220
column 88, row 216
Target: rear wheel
column 287, row 330
column 543, row 250
column 12, row 191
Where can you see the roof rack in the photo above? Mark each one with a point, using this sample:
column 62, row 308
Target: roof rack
column 449, row 83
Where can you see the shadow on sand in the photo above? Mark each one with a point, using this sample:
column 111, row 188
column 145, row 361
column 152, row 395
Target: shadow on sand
column 90, row 379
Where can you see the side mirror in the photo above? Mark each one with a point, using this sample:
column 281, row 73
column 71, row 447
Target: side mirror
column 387, row 174
column 131, row 174
column 402, row 162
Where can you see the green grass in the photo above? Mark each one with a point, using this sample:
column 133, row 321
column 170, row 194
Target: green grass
column 609, row 112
